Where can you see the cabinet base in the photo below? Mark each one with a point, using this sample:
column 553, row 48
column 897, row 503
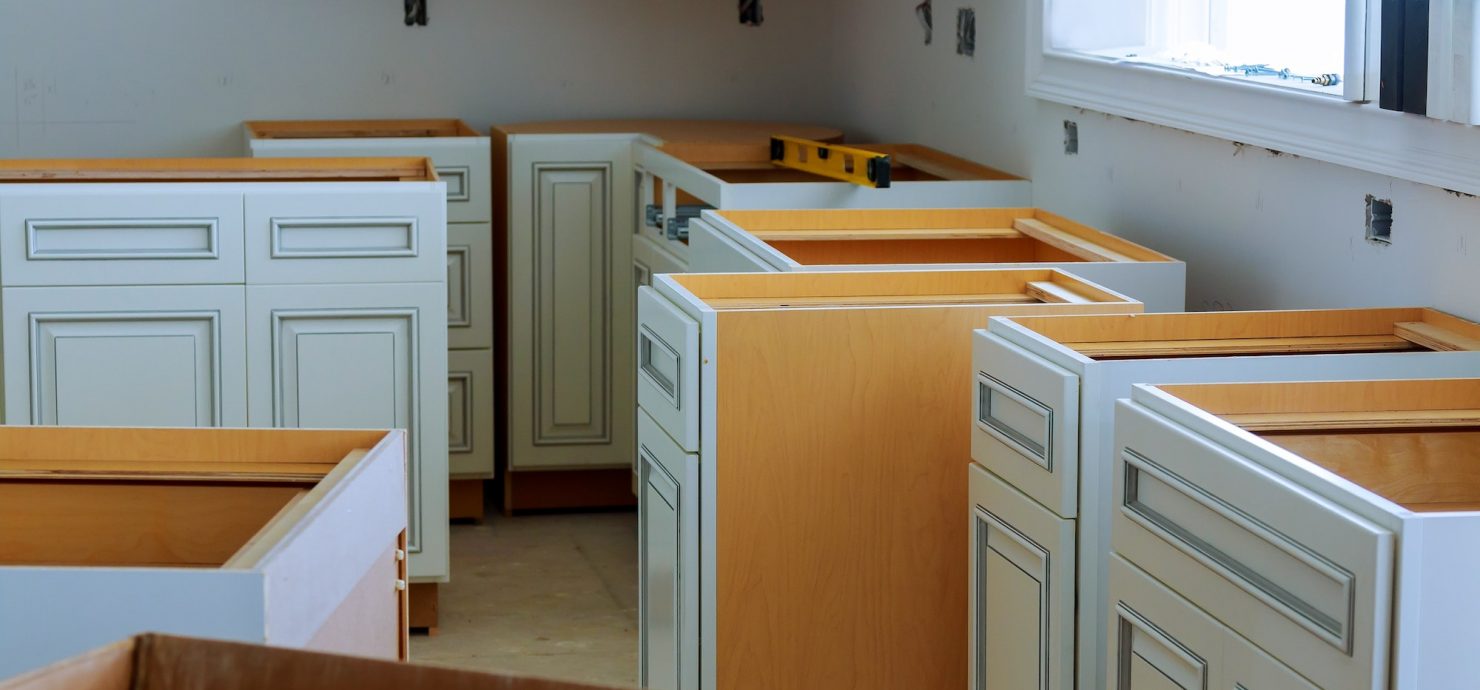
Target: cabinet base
column 422, row 602
column 465, row 499
column 568, row 490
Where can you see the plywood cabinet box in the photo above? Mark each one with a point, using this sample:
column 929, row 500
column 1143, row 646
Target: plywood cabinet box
column 166, row 662
column 233, row 293
column 874, row 239
column 1331, row 525
column 800, row 447
column 460, row 156
column 293, row 538
column 593, row 209
column 1043, row 436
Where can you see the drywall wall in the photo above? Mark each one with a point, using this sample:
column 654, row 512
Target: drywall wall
column 174, row 77
column 1258, row 230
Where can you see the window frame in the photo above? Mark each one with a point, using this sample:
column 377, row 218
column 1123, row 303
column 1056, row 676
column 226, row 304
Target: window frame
column 1323, row 127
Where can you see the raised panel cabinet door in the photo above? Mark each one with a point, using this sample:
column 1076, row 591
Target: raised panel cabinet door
column 570, row 299
column 668, row 554
column 1022, row 590
column 469, row 286
column 361, row 357
column 125, row 356
column 365, row 233
column 470, row 440
column 118, row 234
column 1159, row 641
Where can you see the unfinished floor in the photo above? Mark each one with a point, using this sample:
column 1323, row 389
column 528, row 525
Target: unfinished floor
column 542, row 595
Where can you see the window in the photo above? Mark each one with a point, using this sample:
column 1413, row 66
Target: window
column 1307, row 77
column 1313, row 45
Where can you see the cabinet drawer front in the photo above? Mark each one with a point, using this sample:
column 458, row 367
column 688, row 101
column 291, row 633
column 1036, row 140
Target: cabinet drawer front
column 470, row 440
column 469, row 286
column 125, row 356
column 386, row 235
column 121, row 238
column 668, row 367
column 668, row 526
column 1022, row 590
column 1026, row 422
column 1296, row 574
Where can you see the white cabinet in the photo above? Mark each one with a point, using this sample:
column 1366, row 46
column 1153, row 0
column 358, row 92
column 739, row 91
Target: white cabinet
column 570, row 258
column 1046, row 389
column 125, row 356
column 236, row 300
column 668, row 553
column 462, row 159
column 359, row 357
column 1022, row 590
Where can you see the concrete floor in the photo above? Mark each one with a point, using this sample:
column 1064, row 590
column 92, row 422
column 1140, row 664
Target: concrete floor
column 543, row 595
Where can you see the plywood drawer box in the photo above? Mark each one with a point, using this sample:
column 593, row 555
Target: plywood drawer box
column 1332, row 524
column 233, row 292
column 166, row 662
column 801, row 442
column 1047, row 386
column 285, row 537
column 460, row 154
column 879, row 239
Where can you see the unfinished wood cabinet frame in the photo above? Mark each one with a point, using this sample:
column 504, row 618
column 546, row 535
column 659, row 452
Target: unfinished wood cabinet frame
column 941, row 238
column 831, row 468
column 283, row 537
column 1099, row 358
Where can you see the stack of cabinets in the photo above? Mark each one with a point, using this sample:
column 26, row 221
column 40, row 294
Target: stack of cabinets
column 877, row 239
column 799, row 449
column 1043, row 439
column 461, row 157
column 235, row 302
column 1300, row 535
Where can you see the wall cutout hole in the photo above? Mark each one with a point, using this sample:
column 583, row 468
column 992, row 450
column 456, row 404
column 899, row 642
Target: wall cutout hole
column 966, row 31
column 1379, row 220
column 1071, row 138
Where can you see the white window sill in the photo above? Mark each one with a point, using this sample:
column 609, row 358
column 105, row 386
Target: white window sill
column 1300, row 122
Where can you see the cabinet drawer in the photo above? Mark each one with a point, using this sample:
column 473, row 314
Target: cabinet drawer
column 1022, row 590
column 1297, row 575
column 668, row 367
column 381, row 236
column 470, row 439
column 1026, row 422
column 120, row 238
column 469, row 286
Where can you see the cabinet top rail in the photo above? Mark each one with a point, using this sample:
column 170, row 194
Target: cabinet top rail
column 400, row 169
column 360, row 129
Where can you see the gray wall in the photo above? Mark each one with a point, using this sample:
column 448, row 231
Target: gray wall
column 1258, row 230
column 173, row 77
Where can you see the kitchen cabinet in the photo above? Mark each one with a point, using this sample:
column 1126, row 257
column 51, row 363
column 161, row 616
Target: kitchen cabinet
column 1046, row 391
column 462, row 159
column 816, row 417
column 234, row 292
column 1328, row 523
column 880, row 239
column 283, row 537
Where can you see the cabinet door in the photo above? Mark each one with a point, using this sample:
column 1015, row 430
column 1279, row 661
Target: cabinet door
column 470, row 439
column 125, row 356
column 1158, row 641
column 668, row 545
column 361, row 356
column 469, row 286
column 570, row 300
column 1022, row 590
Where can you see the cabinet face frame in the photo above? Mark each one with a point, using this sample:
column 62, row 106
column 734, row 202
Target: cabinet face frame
column 1103, row 380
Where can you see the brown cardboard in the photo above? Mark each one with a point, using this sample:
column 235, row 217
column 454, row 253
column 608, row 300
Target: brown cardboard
column 163, row 662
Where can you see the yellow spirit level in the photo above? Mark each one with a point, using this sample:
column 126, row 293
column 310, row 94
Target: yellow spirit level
column 859, row 166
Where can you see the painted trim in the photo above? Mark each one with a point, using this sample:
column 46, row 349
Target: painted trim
column 407, row 248
column 35, row 227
